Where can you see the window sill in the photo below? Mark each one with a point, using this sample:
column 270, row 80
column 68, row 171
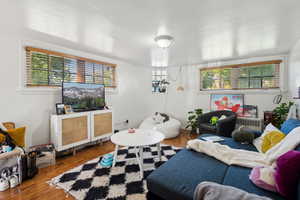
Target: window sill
column 254, row 91
column 38, row 90
column 53, row 91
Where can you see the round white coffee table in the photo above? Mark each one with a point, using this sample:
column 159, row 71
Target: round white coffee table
column 139, row 139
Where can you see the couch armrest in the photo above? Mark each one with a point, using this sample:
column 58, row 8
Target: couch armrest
column 226, row 126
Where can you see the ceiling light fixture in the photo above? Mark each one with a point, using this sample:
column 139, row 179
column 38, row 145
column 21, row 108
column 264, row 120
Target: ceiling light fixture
column 164, row 41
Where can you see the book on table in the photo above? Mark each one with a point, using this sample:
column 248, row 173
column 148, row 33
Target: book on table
column 212, row 138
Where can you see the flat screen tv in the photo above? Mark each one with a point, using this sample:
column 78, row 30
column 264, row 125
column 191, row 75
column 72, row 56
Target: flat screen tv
column 83, row 97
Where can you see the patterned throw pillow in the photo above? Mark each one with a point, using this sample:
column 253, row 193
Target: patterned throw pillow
column 271, row 139
column 263, row 177
column 258, row 141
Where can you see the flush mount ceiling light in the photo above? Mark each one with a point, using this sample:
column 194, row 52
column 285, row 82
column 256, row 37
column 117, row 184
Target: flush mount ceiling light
column 163, row 41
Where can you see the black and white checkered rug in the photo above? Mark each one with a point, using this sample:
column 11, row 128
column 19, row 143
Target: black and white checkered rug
column 92, row 181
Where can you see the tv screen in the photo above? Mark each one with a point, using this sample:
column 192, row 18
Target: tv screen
column 84, row 97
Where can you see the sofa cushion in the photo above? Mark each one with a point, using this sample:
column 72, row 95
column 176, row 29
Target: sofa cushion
column 237, row 176
column 178, row 178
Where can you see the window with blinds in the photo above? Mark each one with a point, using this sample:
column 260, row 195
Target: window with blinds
column 49, row 68
column 259, row 75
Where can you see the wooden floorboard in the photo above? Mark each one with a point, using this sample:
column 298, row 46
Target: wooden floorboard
column 38, row 188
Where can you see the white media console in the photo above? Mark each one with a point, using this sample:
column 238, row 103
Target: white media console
column 71, row 130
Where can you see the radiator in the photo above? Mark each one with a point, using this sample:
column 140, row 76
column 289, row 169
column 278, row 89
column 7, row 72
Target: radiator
column 253, row 123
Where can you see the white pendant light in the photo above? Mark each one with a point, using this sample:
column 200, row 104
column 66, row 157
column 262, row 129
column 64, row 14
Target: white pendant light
column 164, row 41
column 180, row 87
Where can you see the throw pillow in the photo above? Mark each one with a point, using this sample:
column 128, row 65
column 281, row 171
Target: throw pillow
column 2, row 127
column 289, row 125
column 253, row 131
column 287, row 174
column 263, row 177
column 258, row 141
column 214, row 120
column 242, row 136
column 223, row 117
column 159, row 118
column 18, row 135
column 271, row 139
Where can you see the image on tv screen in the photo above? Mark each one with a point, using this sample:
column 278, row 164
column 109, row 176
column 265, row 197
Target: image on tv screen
column 83, row 96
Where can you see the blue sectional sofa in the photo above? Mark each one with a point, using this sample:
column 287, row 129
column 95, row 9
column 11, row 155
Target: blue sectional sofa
column 177, row 178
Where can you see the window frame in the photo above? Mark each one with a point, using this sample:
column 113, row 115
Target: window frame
column 29, row 50
column 239, row 66
column 161, row 77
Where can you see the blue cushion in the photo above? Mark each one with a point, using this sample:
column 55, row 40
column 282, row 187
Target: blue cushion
column 178, row 178
column 238, row 177
column 289, row 125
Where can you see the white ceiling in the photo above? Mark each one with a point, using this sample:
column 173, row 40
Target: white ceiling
column 204, row 30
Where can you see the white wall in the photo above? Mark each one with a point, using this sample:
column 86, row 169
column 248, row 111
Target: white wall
column 294, row 71
column 33, row 107
column 179, row 103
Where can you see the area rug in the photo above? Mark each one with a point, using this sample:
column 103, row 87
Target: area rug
column 92, row 181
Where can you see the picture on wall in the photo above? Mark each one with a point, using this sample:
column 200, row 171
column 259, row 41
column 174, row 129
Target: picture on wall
column 250, row 111
column 232, row 102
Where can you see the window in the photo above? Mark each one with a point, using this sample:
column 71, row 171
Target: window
column 49, row 68
column 159, row 79
column 260, row 75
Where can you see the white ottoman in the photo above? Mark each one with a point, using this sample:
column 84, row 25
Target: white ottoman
column 170, row 128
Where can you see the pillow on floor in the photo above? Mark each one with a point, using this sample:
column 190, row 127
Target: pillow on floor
column 271, row 139
column 289, row 125
column 287, row 174
column 263, row 177
column 258, row 141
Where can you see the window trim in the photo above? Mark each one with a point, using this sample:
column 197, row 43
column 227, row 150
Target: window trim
column 278, row 62
column 65, row 55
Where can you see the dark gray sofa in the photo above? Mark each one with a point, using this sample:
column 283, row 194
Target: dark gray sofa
column 177, row 178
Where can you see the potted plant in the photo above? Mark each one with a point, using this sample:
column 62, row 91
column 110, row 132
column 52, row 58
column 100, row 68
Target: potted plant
column 192, row 119
column 280, row 113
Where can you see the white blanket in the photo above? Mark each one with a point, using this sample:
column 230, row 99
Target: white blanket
column 246, row 158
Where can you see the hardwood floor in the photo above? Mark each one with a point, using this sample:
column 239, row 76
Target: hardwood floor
column 38, row 188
